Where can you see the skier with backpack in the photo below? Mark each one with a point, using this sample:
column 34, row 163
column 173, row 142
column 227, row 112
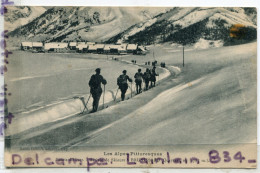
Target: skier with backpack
column 147, row 78
column 95, row 88
column 138, row 81
column 122, row 83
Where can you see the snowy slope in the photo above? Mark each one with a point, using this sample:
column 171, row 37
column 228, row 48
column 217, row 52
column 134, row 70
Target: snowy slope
column 189, row 25
column 214, row 14
column 214, row 95
column 18, row 16
column 140, row 27
column 84, row 23
column 143, row 25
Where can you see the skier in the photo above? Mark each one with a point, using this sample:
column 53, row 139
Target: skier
column 138, row 81
column 153, row 77
column 122, row 83
column 147, row 77
column 95, row 88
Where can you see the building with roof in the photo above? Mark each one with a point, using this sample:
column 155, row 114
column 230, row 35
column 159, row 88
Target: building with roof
column 92, row 48
column 73, row 45
column 131, row 48
column 26, row 46
column 82, row 47
column 141, row 50
column 122, row 49
column 114, row 49
column 100, row 48
column 37, row 46
column 107, row 48
column 56, row 47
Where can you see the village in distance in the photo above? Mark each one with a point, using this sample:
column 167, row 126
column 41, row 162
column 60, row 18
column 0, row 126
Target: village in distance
column 84, row 47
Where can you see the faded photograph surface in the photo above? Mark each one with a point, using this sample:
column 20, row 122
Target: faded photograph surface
column 80, row 78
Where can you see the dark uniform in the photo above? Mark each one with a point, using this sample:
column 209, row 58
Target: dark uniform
column 95, row 88
column 122, row 83
column 153, row 77
column 138, row 81
column 147, row 78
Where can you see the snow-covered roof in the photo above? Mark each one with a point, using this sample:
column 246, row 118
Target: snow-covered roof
column 28, row 44
column 99, row 46
column 122, row 47
column 142, row 48
column 81, row 43
column 96, row 46
column 81, row 46
column 131, row 46
column 114, row 46
column 89, row 43
column 48, row 46
column 92, row 47
column 107, row 46
column 73, row 44
column 37, row 44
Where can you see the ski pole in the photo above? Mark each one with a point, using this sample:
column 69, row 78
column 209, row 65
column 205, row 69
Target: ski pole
column 158, row 79
column 104, row 96
column 116, row 94
column 131, row 90
column 88, row 98
column 84, row 103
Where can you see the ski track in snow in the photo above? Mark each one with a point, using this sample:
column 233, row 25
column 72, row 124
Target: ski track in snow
column 165, row 95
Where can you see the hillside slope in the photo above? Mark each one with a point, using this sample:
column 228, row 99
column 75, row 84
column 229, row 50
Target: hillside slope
column 21, row 15
column 83, row 23
column 188, row 25
column 142, row 25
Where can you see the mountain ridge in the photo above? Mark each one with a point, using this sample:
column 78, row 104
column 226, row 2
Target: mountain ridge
column 141, row 25
column 188, row 25
column 83, row 23
column 21, row 15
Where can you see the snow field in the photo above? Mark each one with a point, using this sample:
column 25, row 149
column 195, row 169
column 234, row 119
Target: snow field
column 68, row 108
column 213, row 103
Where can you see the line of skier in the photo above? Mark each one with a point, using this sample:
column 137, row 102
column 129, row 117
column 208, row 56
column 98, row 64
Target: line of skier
column 149, row 76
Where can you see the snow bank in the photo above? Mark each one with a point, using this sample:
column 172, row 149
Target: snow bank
column 176, row 70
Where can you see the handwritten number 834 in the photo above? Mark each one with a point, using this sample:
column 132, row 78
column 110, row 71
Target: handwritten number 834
column 214, row 156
